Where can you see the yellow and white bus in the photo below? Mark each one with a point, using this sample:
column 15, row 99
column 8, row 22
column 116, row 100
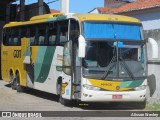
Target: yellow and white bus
column 86, row 57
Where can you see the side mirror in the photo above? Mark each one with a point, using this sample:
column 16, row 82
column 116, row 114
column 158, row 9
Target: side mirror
column 154, row 47
column 82, row 46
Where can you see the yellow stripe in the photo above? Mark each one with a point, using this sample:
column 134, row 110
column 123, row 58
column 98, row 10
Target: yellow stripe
column 107, row 85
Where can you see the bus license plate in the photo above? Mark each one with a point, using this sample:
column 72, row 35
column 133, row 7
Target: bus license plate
column 117, row 96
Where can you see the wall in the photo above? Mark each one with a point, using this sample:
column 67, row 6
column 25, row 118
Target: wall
column 150, row 20
column 1, row 26
column 151, row 25
column 153, row 67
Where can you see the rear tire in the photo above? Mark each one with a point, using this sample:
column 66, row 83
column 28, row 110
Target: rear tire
column 18, row 86
column 13, row 85
column 12, row 80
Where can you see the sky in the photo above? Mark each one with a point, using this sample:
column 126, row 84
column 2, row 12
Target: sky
column 80, row 6
column 76, row 6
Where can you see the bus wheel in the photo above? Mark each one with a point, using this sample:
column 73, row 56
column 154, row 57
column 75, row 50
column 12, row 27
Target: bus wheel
column 13, row 82
column 18, row 86
column 62, row 100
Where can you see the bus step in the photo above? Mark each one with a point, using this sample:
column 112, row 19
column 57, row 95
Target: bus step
column 75, row 84
column 76, row 91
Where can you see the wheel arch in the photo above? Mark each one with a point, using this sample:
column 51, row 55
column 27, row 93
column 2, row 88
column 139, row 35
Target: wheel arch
column 11, row 70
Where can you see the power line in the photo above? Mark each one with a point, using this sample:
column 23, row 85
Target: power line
column 39, row 6
column 35, row 7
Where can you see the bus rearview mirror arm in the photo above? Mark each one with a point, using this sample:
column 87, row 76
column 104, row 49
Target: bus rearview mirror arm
column 82, row 46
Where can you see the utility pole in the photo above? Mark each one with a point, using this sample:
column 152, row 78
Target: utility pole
column 7, row 12
column 22, row 10
column 65, row 6
column 41, row 7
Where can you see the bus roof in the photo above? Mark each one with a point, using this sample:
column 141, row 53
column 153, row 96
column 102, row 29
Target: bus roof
column 106, row 17
column 80, row 17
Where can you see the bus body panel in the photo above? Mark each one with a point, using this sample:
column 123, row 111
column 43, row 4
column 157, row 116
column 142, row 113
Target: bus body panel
column 48, row 70
column 4, row 63
column 67, row 89
column 107, row 96
column 14, row 63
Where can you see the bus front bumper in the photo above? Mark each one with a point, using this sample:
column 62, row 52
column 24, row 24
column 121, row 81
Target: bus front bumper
column 110, row 96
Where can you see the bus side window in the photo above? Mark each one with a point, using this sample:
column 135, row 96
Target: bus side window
column 8, row 36
column 52, row 34
column 5, row 37
column 74, row 30
column 62, row 32
column 41, row 34
column 14, row 36
column 32, row 32
column 23, row 32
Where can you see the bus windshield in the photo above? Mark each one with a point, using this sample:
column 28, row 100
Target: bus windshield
column 118, row 53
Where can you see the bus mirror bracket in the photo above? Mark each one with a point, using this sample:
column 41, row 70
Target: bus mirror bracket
column 82, row 46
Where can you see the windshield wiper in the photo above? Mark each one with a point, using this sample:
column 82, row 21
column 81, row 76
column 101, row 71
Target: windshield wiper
column 106, row 73
column 123, row 63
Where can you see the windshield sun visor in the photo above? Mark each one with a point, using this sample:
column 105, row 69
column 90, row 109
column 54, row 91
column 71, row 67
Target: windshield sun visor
column 93, row 30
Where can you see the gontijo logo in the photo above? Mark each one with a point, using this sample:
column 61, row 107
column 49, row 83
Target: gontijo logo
column 60, row 57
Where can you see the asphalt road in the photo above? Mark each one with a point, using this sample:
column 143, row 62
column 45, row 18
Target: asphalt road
column 34, row 100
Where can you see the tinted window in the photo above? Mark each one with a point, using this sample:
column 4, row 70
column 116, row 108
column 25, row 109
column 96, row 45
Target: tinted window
column 74, row 30
column 11, row 36
column 52, row 34
column 62, row 32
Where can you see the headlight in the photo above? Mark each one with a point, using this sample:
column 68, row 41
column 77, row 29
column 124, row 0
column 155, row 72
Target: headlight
column 90, row 87
column 140, row 87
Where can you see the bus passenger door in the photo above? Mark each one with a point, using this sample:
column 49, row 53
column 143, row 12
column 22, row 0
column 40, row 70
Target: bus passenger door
column 66, row 90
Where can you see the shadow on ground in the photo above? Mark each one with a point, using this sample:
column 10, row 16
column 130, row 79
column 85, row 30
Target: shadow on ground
column 81, row 105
